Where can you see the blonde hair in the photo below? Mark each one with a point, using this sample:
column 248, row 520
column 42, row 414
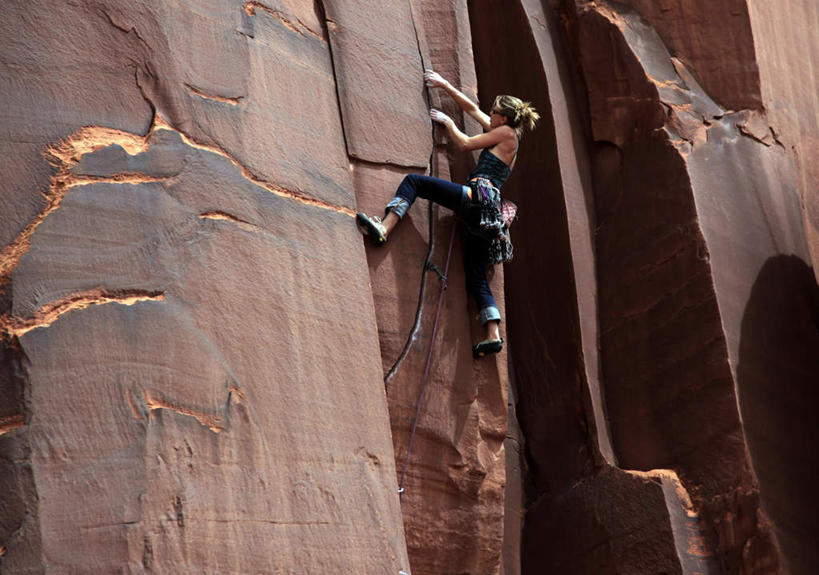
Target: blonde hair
column 519, row 113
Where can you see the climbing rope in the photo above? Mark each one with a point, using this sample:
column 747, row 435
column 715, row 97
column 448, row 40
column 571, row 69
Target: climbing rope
column 429, row 359
column 416, row 326
column 428, row 266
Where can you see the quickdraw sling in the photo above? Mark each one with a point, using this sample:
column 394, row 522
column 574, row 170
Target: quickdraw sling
column 496, row 217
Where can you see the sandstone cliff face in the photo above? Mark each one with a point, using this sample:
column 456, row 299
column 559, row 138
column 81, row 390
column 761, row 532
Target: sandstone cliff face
column 205, row 370
column 697, row 198
column 187, row 394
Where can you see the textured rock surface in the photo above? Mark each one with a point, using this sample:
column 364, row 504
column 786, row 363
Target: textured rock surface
column 788, row 71
column 715, row 39
column 195, row 344
column 378, row 65
column 691, row 201
column 454, row 485
column 714, row 197
column 189, row 396
column 649, row 530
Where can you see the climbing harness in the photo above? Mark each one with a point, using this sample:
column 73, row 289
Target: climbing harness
column 488, row 197
column 500, row 247
column 496, row 216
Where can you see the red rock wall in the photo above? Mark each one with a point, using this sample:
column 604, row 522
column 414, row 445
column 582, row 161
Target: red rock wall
column 562, row 410
column 453, row 491
column 695, row 205
column 787, row 49
column 715, row 39
column 196, row 343
column 775, row 355
column 184, row 391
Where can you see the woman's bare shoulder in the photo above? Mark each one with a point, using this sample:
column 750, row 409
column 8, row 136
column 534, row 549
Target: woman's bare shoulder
column 506, row 135
column 507, row 132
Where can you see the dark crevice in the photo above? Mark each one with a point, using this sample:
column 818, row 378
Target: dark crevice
column 322, row 16
column 19, row 524
column 553, row 404
column 416, row 326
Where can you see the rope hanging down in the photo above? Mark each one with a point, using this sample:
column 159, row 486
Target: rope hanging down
column 429, row 359
column 428, row 265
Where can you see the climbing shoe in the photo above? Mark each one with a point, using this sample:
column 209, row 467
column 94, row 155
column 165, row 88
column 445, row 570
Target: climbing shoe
column 372, row 226
column 487, row 347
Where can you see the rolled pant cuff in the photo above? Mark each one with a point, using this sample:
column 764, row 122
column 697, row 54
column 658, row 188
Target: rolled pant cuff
column 490, row 313
column 398, row 206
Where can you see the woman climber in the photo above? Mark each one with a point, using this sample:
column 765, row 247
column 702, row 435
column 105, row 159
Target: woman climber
column 477, row 204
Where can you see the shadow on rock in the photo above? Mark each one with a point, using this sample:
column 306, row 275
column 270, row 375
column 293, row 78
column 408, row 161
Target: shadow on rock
column 777, row 375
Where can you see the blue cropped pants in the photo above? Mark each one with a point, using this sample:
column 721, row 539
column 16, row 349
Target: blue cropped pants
column 475, row 246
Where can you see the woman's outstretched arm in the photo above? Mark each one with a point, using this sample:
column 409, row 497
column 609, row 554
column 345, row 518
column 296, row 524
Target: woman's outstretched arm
column 463, row 142
column 435, row 80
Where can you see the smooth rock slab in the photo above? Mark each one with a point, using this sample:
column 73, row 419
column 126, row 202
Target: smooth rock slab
column 190, row 378
column 379, row 73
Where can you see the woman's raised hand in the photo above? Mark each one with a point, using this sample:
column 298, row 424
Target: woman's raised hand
column 440, row 117
column 433, row 79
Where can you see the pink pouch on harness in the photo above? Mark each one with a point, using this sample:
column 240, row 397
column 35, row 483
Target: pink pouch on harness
column 509, row 211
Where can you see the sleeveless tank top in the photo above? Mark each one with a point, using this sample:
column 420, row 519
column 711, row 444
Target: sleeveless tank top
column 497, row 171
column 492, row 167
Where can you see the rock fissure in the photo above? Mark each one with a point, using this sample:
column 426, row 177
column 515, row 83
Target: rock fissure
column 132, row 178
column 236, row 395
column 328, row 23
column 11, row 422
column 300, row 28
column 231, row 101
column 123, row 27
column 12, row 326
column 415, row 330
column 282, row 522
column 296, row 195
column 67, row 154
column 226, row 217
column 179, row 510
column 109, row 525
column 133, row 405
column 388, row 164
column 211, row 421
